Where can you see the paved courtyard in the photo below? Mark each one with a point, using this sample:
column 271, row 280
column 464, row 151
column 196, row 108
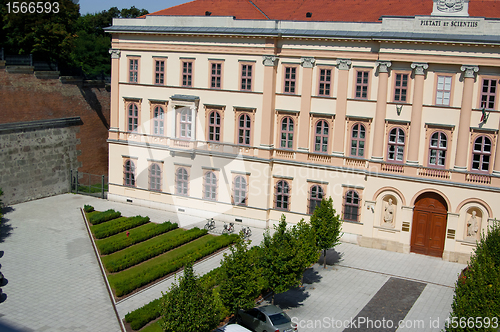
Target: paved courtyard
column 55, row 283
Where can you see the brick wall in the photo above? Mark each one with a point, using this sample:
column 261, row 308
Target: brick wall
column 27, row 98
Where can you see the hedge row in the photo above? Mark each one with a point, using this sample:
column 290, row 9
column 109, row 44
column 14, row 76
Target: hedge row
column 101, row 217
column 149, row 312
column 142, row 233
column 117, row 225
column 88, row 208
column 141, row 252
column 127, row 281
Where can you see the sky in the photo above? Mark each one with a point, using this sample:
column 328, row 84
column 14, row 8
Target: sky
column 93, row 6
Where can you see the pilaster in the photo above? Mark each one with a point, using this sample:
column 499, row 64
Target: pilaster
column 379, row 121
column 115, row 96
column 305, row 103
column 339, row 125
column 270, row 63
column 416, row 111
column 465, row 115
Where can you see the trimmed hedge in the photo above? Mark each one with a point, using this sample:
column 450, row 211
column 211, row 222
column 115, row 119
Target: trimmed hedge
column 88, row 208
column 101, row 217
column 149, row 312
column 116, row 226
column 477, row 290
column 142, row 233
column 141, row 252
column 129, row 280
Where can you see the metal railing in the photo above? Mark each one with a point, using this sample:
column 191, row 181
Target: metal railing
column 89, row 184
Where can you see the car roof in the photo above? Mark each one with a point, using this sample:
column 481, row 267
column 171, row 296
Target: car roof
column 270, row 309
column 235, row 328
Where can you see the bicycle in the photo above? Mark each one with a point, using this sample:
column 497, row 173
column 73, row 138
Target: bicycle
column 247, row 232
column 228, row 229
column 210, row 224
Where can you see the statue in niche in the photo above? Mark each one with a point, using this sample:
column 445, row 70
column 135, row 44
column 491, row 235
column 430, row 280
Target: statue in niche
column 472, row 226
column 389, row 212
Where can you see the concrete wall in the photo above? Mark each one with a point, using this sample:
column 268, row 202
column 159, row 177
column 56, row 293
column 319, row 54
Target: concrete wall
column 36, row 158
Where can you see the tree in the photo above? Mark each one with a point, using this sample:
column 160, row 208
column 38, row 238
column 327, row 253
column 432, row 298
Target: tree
column 241, row 279
column 307, row 251
column 1, row 205
column 327, row 226
column 282, row 267
column 188, row 306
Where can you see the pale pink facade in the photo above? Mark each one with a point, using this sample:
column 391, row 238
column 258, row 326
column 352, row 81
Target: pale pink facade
column 263, row 118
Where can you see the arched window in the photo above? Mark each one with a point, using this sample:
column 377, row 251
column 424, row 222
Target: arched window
column 321, row 137
column 481, row 154
column 396, row 146
column 282, row 195
column 186, row 123
column 351, row 206
column 155, row 177
column 244, row 129
column 133, row 117
column 214, row 126
column 182, row 181
column 210, row 186
column 315, row 198
column 240, row 190
column 158, row 121
column 129, row 173
column 437, row 149
column 358, row 140
column 286, row 133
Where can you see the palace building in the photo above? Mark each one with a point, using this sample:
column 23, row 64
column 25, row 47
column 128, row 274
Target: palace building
column 246, row 110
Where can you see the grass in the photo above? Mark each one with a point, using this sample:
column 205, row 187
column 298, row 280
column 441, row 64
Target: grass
column 121, row 241
column 143, row 251
column 127, row 281
column 92, row 189
column 116, row 226
column 155, row 327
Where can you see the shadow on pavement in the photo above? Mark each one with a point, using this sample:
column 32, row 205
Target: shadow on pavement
column 295, row 297
column 7, row 328
column 332, row 257
column 5, row 227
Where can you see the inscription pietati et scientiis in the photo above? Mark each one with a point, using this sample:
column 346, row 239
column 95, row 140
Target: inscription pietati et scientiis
column 449, row 25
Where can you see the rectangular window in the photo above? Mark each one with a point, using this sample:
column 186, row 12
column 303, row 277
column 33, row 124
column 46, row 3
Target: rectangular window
column 290, row 79
column 488, row 93
column 215, row 76
column 443, row 92
column 187, row 73
column 325, row 82
column 246, row 77
column 160, row 72
column 133, row 70
column 401, row 88
column 362, row 84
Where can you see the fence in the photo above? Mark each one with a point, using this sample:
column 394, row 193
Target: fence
column 89, row 184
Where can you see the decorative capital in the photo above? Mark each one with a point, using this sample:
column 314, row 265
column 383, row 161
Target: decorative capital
column 270, row 60
column 307, row 62
column 420, row 67
column 469, row 71
column 115, row 54
column 344, row 64
column 383, row 66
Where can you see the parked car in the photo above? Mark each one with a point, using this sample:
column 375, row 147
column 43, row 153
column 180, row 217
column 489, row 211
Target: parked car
column 232, row 328
column 268, row 318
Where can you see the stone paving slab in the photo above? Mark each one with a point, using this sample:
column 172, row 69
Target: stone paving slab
column 54, row 281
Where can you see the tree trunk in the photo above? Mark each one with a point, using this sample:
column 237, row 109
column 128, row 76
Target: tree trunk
column 272, row 299
column 324, row 258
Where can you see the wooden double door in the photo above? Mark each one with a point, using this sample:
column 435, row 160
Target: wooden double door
column 429, row 225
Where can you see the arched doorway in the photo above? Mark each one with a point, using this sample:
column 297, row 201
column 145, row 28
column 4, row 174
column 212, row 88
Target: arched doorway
column 429, row 225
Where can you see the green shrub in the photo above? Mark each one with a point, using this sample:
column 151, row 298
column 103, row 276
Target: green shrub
column 117, row 225
column 127, row 281
column 138, row 253
column 88, row 208
column 120, row 241
column 101, row 217
column 149, row 312
column 477, row 290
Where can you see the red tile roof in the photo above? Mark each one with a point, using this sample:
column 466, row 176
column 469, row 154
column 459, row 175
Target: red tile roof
column 322, row 10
